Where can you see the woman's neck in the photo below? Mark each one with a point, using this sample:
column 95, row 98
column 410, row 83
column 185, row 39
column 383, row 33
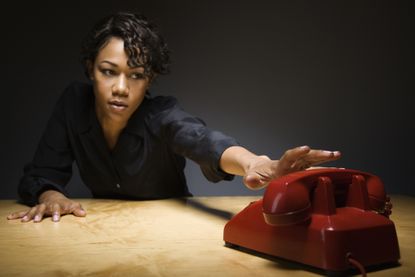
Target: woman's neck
column 111, row 129
column 111, row 135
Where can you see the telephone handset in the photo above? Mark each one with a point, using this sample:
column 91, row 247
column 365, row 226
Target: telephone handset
column 328, row 218
column 288, row 200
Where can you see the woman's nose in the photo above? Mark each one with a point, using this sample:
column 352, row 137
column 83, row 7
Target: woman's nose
column 121, row 86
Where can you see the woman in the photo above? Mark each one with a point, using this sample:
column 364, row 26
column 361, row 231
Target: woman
column 128, row 144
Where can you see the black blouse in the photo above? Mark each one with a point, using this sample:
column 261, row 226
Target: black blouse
column 146, row 163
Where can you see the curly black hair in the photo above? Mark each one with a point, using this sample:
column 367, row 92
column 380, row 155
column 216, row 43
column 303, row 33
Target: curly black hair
column 142, row 43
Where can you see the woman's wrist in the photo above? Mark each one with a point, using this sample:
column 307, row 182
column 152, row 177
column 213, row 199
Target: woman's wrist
column 256, row 161
column 238, row 160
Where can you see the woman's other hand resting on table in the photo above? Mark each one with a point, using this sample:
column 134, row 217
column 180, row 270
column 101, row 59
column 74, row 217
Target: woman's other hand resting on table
column 51, row 203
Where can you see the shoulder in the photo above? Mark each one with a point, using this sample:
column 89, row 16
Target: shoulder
column 165, row 110
column 159, row 111
column 159, row 104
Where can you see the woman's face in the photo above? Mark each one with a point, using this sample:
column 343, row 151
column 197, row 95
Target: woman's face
column 118, row 88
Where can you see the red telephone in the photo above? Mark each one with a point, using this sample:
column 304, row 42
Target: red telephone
column 331, row 218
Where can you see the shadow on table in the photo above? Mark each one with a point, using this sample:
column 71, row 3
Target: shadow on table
column 204, row 208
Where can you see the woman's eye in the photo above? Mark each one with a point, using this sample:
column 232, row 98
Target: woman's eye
column 137, row 76
column 108, row 72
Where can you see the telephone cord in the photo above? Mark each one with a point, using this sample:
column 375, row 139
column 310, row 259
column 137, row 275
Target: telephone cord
column 358, row 265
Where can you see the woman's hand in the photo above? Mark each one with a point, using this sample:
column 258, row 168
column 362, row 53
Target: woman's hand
column 258, row 171
column 262, row 170
column 51, row 203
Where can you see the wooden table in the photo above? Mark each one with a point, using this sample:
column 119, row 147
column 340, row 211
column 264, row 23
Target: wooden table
column 156, row 238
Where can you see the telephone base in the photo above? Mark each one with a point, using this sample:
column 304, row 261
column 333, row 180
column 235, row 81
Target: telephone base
column 323, row 242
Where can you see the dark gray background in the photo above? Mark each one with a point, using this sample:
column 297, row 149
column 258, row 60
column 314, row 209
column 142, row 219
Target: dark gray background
column 274, row 74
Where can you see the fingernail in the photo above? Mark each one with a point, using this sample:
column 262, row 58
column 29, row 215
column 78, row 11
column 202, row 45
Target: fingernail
column 37, row 218
column 55, row 217
column 25, row 218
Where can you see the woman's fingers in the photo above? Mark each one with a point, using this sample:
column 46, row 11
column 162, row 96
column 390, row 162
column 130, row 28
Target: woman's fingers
column 56, row 212
column 292, row 156
column 40, row 212
column 35, row 213
column 301, row 158
column 17, row 215
column 77, row 210
column 55, row 209
column 27, row 217
column 316, row 157
column 262, row 171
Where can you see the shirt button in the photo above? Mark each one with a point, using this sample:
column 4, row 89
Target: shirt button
column 118, row 186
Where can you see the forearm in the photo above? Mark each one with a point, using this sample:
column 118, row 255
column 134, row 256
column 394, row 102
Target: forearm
column 237, row 160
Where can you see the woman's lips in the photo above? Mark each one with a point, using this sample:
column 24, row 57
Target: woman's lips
column 118, row 105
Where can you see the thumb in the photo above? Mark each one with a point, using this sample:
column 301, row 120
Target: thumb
column 79, row 212
column 253, row 181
